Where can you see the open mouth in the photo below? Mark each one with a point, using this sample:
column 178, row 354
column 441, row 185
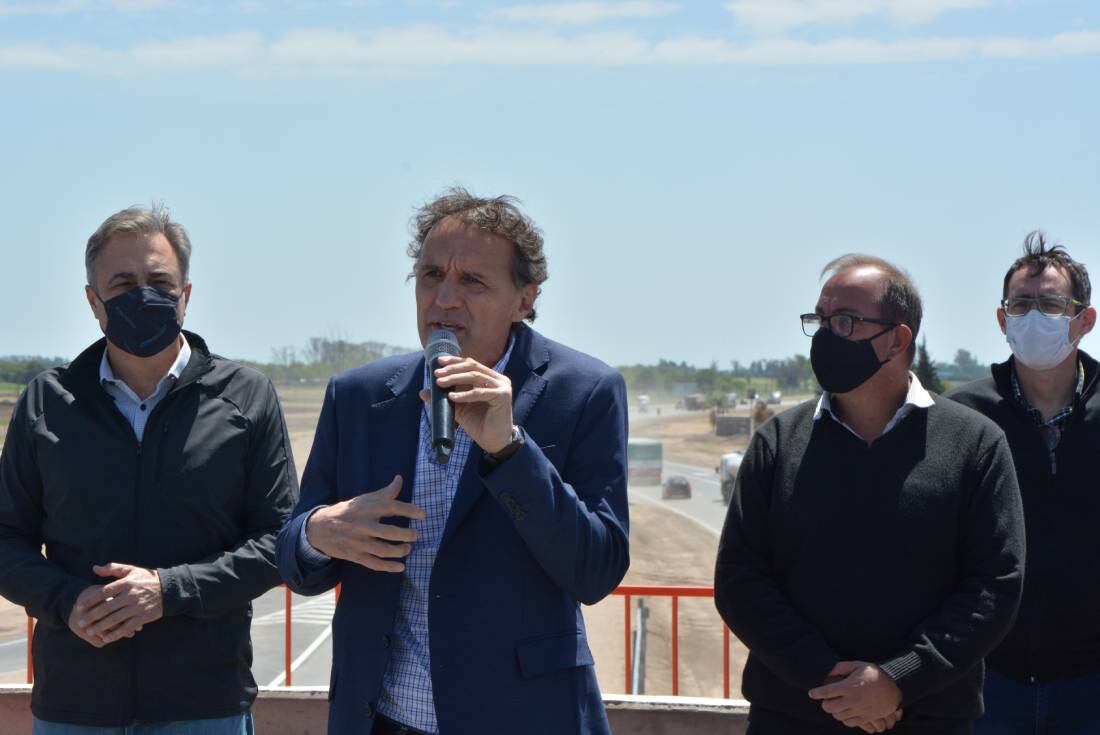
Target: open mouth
column 450, row 326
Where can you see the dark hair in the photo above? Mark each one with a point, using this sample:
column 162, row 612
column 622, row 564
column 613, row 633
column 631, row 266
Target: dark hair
column 500, row 216
column 1038, row 256
column 899, row 301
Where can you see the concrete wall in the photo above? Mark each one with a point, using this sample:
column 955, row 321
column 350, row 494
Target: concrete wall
column 302, row 711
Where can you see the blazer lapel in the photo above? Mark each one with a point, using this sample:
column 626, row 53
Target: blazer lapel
column 529, row 358
column 397, row 423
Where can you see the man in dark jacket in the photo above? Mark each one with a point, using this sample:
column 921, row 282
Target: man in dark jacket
column 873, row 549
column 155, row 475
column 1045, row 675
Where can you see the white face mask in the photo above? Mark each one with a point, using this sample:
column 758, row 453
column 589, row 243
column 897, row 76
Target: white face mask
column 1039, row 341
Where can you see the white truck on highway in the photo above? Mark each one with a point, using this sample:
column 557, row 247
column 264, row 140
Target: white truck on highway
column 727, row 469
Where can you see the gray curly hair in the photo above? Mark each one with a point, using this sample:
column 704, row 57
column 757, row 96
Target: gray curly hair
column 498, row 215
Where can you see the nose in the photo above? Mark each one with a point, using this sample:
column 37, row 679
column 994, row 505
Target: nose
column 447, row 295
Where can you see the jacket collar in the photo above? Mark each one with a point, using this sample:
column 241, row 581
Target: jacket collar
column 1002, row 376
column 401, row 414
column 82, row 374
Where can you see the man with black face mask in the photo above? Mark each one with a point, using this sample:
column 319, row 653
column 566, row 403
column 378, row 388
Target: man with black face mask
column 1045, row 675
column 156, row 476
column 873, row 548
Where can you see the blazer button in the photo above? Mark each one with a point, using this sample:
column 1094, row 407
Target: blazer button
column 370, row 711
column 385, row 641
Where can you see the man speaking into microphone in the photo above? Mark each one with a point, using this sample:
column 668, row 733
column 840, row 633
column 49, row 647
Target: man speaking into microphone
column 463, row 557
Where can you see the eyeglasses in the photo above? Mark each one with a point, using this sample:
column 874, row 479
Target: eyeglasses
column 1047, row 304
column 839, row 324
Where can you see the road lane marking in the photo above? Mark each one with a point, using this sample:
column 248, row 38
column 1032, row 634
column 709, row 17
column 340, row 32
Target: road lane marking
column 677, row 511
column 318, row 611
column 310, row 650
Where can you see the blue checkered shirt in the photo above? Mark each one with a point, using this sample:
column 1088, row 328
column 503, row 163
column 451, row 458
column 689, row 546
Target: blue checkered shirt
column 407, row 686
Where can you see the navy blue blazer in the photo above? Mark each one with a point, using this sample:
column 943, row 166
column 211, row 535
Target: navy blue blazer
column 524, row 544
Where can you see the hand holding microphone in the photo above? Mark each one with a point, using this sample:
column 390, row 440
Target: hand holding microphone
column 477, row 397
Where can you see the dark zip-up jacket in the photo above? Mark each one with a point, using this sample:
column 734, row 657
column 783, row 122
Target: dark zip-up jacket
column 1057, row 631
column 200, row 500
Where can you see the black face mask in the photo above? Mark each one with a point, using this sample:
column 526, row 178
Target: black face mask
column 841, row 365
column 143, row 321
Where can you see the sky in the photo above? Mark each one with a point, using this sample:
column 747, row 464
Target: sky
column 693, row 165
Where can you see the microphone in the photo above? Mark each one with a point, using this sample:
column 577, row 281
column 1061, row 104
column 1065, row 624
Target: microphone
column 441, row 342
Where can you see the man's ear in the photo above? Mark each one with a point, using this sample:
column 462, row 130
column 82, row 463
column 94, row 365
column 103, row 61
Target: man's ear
column 1001, row 320
column 185, row 300
column 1088, row 320
column 903, row 337
column 528, row 294
column 98, row 310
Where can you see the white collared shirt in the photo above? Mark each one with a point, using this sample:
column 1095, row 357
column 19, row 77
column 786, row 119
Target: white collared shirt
column 134, row 409
column 916, row 397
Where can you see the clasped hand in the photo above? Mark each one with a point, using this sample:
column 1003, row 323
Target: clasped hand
column 860, row 694
column 110, row 612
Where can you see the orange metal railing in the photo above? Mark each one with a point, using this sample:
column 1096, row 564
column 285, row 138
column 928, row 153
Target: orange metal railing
column 627, row 591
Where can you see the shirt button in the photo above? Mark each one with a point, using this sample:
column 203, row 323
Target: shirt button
column 143, row 407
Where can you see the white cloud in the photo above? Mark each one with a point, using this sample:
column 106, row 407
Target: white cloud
column 235, row 49
column 431, row 46
column 335, row 51
column 585, row 13
column 777, row 16
column 65, row 7
column 1073, row 43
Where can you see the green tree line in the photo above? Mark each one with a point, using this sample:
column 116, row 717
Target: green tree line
column 321, row 357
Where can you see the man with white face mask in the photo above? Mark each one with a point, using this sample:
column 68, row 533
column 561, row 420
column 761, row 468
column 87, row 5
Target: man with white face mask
column 1045, row 674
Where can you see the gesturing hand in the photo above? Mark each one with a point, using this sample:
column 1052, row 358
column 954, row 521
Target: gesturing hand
column 353, row 530
column 108, row 613
column 482, row 399
column 859, row 693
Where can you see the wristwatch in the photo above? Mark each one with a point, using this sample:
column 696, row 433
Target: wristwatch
column 495, row 458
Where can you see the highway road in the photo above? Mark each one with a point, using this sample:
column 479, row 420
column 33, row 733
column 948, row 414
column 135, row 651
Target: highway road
column 705, row 505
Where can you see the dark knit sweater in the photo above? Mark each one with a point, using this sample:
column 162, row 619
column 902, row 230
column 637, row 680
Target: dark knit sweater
column 907, row 553
column 1057, row 631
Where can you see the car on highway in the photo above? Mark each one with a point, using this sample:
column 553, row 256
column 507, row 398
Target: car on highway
column 775, row 397
column 674, row 487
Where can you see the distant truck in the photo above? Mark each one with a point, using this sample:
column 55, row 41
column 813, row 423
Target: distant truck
column 644, row 461
column 643, row 404
column 728, row 467
column 695, row 402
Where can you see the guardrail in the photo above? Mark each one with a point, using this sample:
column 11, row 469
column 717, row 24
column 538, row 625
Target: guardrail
column 627, row 591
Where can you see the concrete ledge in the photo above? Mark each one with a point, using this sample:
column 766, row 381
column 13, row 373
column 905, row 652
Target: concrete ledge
column 303, row 711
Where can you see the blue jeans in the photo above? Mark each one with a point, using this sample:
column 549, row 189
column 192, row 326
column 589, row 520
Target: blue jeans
column 1060, row 707
column 235, row 725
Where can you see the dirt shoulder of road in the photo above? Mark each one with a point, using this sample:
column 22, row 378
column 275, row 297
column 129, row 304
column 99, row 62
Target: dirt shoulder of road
column 667, row 549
